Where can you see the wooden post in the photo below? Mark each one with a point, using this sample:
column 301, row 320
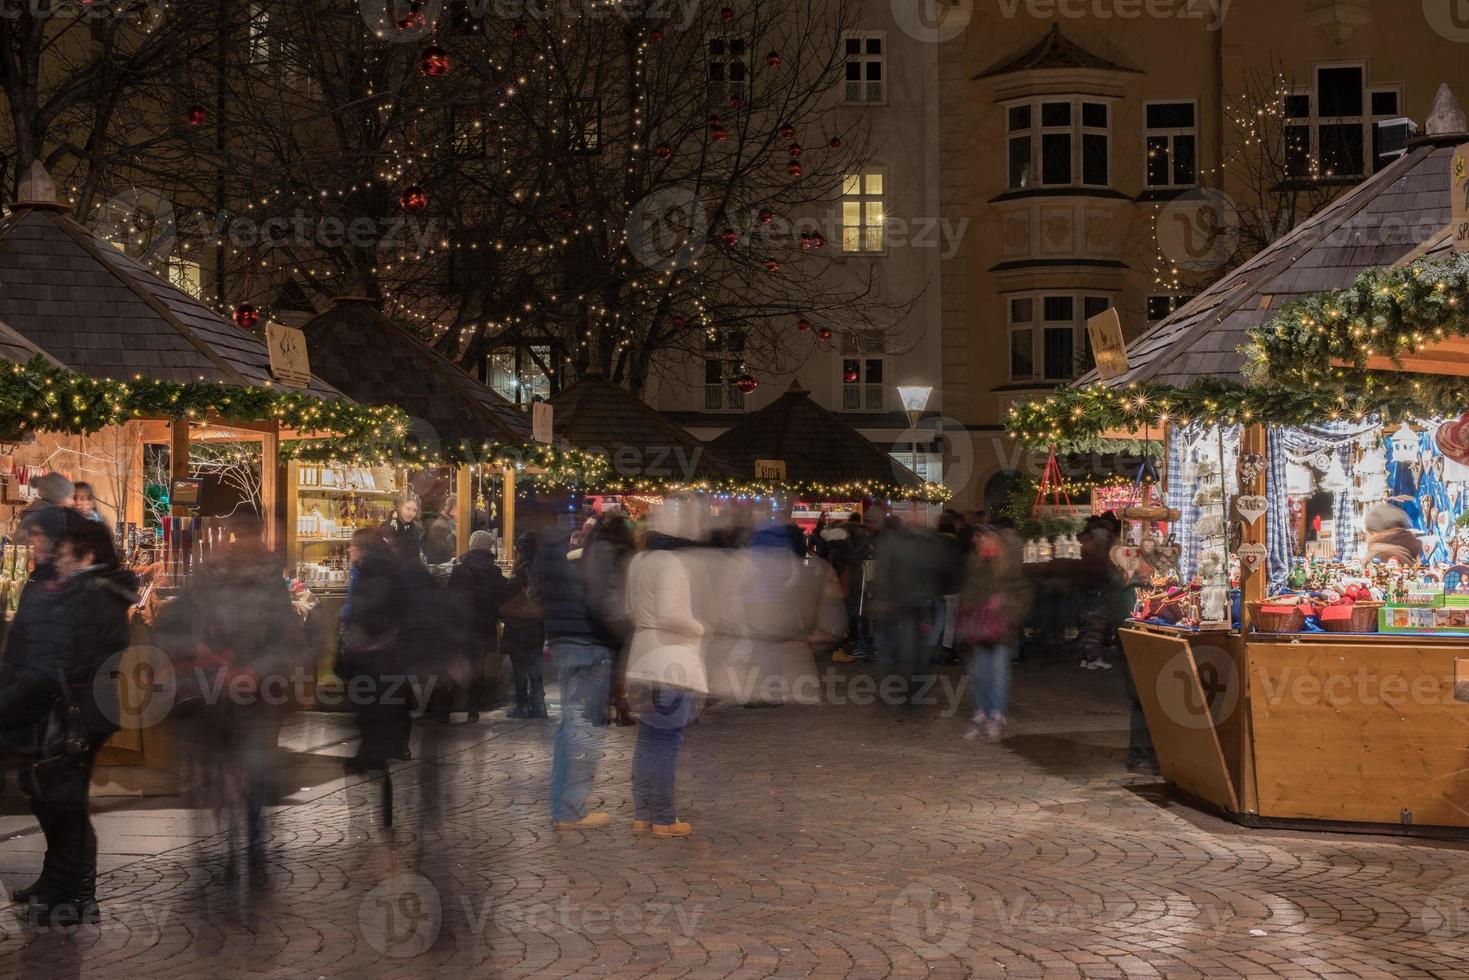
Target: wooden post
column 507, row 513
column 464, row 515
column 270, row 486
column 178, row 461
column 1254, row 439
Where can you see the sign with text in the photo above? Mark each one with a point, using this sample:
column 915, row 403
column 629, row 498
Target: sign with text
column 1459, row 198
column 770, row 469
column 1110, row 350
column 289, row 363
column 541, row 414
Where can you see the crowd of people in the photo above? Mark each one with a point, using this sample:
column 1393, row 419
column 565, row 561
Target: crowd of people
column 645, row 624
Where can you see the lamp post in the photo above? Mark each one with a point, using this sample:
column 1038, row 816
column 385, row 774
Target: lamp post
column 915, row 400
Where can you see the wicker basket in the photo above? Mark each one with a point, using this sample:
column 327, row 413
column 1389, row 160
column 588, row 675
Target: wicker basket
column 1273, row 622
column 1363, row 620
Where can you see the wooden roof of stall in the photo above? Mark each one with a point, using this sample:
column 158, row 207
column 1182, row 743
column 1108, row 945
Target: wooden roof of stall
column 103, row 314
column 596, row 414
column 373, row 359
column 816, row 445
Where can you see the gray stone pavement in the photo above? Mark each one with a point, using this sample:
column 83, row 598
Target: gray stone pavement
column 834, row 840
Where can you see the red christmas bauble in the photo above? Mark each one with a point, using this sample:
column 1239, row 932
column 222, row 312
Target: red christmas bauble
column 795, row 149
column 850, row 376
column 714, row 123
column 414, row 199
column 433, row 61
column 787, row 132
column 729, row 236
column 726, row 13
column 519, row 30
column 746, row 383
column 566, row 214
column 766, row 216
column 824, row 333
column 735, row 102
column 836, row 143
column 803, row 324
column 805, row 240
column 246, row 315
column 680, row 321
column 197, row 115
column 772, row 264
column 817, row 239
column 793, row 168
column 719, row 135
column 656, row 35
column 773, row 59
column 412, row 19
column 664, row 152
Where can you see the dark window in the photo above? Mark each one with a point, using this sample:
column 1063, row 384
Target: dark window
column 1159, row 171
column 874, row 45
column 713, row 372
column 1341, row 149
column 1297, row 106
column 1171, row 115
column 1056, row 114
column 874, row 371
column 1159, row 307
column 1019, row 117
column 1298, row 151
column 854, row 71
column 1056, row 158
column 1093, row 305
column 1385, row 103
column 1094, row 115
column 854, row 45
column 1340, row 91
column 1060, row 352
column 736, row 342
column 1020, row 161
column 1022, row 355
column 1094, row 159
column 1184, row 171
column 1022, row 310
column 1059, row 309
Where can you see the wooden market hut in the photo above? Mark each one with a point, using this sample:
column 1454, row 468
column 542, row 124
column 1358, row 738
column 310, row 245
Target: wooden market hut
column 1279, row 729
column 640, row 445
column 370, row 357
column 820, row 453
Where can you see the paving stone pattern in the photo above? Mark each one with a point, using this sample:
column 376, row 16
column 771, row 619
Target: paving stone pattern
column 830, row 841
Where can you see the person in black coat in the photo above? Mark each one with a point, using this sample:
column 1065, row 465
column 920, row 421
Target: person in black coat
column 482, row 588
column 71, row 621
column 404, row 531
column 370, row 660
column 524, row 640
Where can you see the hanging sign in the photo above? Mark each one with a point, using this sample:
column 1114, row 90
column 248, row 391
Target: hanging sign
column 541, row 419
column 1108, row 345
column 1251, row 556
column 770, row 469
column 1459, row 198
column 289, row 363
column 1251, row 507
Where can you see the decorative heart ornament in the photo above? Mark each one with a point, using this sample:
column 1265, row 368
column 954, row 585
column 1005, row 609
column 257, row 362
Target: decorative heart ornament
column 1251, row 508
column 1452, row 439
column 1251, row 465
column 1251, row 556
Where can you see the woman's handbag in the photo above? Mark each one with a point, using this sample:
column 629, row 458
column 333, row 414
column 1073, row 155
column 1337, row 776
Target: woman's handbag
column 982, row 623
column 59, row 769
column 521, row 609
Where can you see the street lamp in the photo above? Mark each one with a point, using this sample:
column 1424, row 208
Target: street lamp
column 915, row 400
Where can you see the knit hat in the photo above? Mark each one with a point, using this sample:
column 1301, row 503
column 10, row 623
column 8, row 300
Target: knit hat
column 54, row 488
column 481, row 541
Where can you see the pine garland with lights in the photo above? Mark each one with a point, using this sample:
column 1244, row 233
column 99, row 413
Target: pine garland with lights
column 850, row 490
column 537, row 466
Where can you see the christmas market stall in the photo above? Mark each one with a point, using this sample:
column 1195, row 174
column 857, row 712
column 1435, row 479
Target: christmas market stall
column 1317, row 412
column 141, row 390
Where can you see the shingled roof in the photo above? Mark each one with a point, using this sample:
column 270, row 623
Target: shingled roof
column 1053, row 51
column 815, row 444
column 595, row 414
column 103, row 314
column 373, row 359
column 14, row 347
column 1388, row 217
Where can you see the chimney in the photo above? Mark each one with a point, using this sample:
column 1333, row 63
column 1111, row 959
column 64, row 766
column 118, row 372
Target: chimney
column 37, row 187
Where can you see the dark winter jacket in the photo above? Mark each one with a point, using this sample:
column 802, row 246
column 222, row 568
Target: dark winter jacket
column 372, row 620
column 579, row 599
column 438, row 541
column 66, row 628
column 480, row 585
column 404, row 539
column 434, row 624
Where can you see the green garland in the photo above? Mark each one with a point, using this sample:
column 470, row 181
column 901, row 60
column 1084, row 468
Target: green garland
column 849, row 490
column 1289, row 360
column 538, row 466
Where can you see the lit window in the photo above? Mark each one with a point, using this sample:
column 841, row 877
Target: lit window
column 863, row 51
column 519, row 373
column 1171, row 144
column 186, row 276
column 862, row 212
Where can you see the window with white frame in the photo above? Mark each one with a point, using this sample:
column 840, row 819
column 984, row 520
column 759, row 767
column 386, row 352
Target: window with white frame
column 1058, row 142
column 864, row 371
column 517, row 373
column 1329, row 127
column 729, row 69
column 863, row 211
column 864, row 52
column 1048, row 336
column 187, row 276
column 1163, row 305
column 724, row 361
column 1170, row 144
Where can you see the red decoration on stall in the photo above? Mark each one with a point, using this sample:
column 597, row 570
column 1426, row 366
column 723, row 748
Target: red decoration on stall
column 414, row 199
column 246, row 315
column 433, row 61
column 197, row 115
column 1051, row 483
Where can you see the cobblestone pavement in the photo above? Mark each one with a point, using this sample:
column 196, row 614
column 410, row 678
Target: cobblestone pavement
column 834, row 840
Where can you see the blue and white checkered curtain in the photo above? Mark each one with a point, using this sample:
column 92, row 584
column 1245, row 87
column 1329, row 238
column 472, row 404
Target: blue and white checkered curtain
column 1344, row 509
column 1277, row 517
column 1183, row 483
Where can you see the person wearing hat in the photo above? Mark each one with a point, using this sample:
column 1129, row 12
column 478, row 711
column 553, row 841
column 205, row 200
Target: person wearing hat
column 478, row 583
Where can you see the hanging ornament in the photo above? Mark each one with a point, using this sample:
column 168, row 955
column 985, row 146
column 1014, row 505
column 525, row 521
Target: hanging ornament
column 787, row 132
column 519, row 30
column 836, row 143
column 412, row 19
column 795, row 149
column 414, row 199
column 656, row 35
column 714, row 123
column 726, row 13
column 803, row 324
column 766, row 216
column 197, row 115
column 773, row 59
column 805, row 241
column 729, row 236
column 719, row 135
column 772, row 264
column 433, row 61
column 735, row 102
column 823, row 332
column 680, row 321
column 746, row 383
column 664, row 152
column 850, row 375
column 1335, row 480
column 566, row 214
column 246, row 315
column 817, row 239
column 793, row 168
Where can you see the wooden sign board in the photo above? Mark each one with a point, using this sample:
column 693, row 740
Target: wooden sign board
column 541, row 417
column 1459, row 198
column 770, row 469
column 185, row 492
column 289, row 363
column 1108, row 346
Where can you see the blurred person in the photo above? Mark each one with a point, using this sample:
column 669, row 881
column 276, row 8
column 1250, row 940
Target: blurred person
column 777, row 596
column 995, row 602
column 524, row 639
column 441, row 535
column 668, row 583
column 856, row 575
column 909, row 574
column 71, row 621
column 581, row 643
column 610, row 547
column 1097, row 588
column 953, row 560
column 85, row 502
column 483, row 588
column 233, row 627
column 370, row 660
column 402, row 530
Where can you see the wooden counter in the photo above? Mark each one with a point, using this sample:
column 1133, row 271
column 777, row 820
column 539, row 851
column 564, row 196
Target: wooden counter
column 1327, row 728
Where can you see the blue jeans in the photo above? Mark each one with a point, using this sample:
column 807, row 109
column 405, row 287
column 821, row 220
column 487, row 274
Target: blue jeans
column 655, row 761
column 989, row 674
column 585, row 672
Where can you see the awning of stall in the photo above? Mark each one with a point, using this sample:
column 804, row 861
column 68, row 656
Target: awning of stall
column 821, row 454
column 644, row 449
